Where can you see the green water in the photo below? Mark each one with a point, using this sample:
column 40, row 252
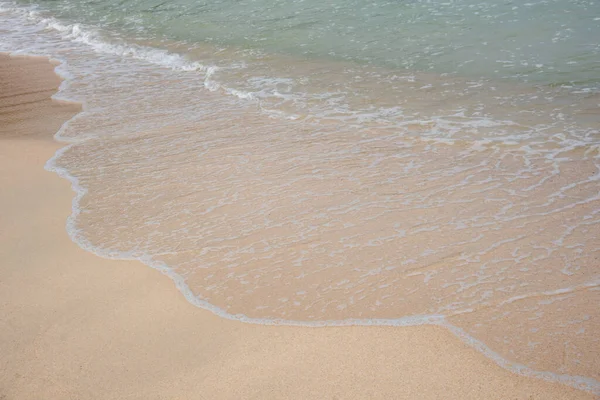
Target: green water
column 550, row 42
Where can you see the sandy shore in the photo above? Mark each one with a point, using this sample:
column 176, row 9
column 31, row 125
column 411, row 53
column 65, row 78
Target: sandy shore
column 75, row 326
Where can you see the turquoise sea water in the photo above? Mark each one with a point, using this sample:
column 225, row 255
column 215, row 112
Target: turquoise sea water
column 309, row 57
column 344, row 162
column 550, row 42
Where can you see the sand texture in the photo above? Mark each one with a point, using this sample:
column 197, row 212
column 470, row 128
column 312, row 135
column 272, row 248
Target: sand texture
column 76, row 326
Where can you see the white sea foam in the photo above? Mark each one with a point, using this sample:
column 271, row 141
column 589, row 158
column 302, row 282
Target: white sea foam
column 86, row 35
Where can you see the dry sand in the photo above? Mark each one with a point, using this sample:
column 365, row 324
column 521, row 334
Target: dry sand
column 75, row 326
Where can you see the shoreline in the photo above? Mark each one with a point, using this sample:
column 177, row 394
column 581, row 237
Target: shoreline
column 122, row 314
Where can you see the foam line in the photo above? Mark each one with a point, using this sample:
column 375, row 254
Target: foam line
column 579, row 382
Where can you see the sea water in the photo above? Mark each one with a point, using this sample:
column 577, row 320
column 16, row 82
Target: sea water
column 344, row 162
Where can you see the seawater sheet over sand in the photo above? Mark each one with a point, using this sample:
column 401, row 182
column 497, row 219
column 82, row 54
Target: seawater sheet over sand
column 421, row 199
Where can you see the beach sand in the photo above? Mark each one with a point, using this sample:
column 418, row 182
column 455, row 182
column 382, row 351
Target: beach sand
column 76, row 326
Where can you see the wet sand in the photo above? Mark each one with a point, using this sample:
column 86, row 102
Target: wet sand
column 78, row 326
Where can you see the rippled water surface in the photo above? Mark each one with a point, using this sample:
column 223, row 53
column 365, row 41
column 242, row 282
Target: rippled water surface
column 345, row 162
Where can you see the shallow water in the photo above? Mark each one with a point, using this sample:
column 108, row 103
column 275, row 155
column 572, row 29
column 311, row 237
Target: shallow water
column 428, row 166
